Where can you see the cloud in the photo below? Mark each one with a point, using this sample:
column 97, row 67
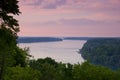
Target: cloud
column 45, row 4
column 86, row 22
column 109, row 7
column 74, row 27
column 80, row 23
column 77, row 22
column 52, row 4
column 77, row 15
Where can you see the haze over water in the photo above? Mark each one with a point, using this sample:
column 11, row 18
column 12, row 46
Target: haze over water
column 65, row 51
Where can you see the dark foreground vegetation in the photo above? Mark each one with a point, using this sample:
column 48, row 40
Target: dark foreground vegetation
column 48, row 69
column 105, row 52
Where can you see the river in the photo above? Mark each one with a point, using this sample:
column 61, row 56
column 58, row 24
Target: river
column 65, row 51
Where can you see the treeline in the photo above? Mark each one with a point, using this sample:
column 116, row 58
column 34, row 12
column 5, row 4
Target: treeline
column 49, row 69
column 105, row 52
column 37, row 39
column 77, row 38
column 87, row 38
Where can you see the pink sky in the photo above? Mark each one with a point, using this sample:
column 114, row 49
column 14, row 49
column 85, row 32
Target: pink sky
column 69, row 18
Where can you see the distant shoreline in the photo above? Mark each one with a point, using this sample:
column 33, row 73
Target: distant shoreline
column 37, row 39
column 55, row 39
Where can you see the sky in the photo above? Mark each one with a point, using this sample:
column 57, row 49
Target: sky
column 79, row 18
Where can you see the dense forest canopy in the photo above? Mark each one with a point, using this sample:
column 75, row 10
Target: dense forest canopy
column 52, row 70
column 105, row 51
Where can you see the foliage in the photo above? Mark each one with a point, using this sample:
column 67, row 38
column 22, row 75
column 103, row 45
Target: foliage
column 46, row 67
column 8, row 7
column 10, row 54
column 88, row 71
column 21, row 73
column 84, row 71
column 7, row 43
column 104, row 52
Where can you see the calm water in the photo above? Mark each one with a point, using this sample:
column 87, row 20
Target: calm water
column 65, row 51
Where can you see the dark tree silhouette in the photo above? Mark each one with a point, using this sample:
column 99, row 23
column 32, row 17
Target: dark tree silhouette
column 8, row 33
column 8, row 7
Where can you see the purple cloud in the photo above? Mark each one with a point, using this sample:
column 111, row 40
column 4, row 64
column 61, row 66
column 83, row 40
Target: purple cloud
column 53, row 4
column 81, row 23
column 84, row 15
column 45, row 4
column 87, row 22
column 79, row 4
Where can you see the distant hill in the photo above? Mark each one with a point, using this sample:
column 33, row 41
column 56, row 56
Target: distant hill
column 37, row 39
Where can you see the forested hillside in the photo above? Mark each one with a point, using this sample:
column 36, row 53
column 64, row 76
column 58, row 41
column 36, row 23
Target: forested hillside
column 105, row 51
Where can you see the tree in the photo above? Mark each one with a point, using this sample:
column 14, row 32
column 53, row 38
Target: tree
column 104, row 51
column 46, row 66
column 7, row 46
column 8, row 7
column 10, row 54
column 22, row 73
column 87, row 71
